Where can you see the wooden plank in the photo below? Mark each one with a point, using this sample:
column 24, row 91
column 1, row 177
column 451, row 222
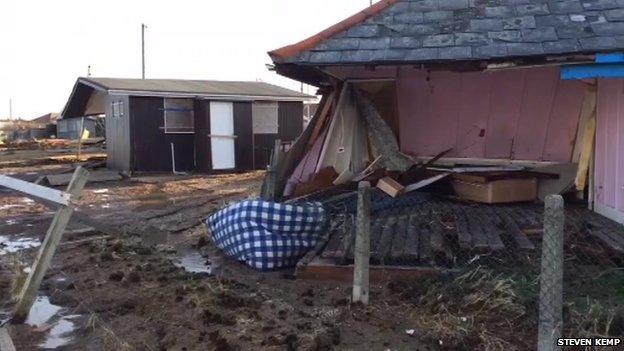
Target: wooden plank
column 464, row 237
column 324, row 112
column 438, row 243
column 479, row 237
column 48, row 248
column 387, row 236
column 423, row 183
column 516, row 234
column 390, row 186
column 588, row 111
column 361, row 269
column 424, row 235
column 6, row 344
column 587, row 150
column 39, row 191
column 348, row 241
column 412, row 239
column 492, row 231
column 328, row 270
column 399, row 239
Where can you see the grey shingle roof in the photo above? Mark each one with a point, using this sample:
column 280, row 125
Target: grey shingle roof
column 197, row 87
column 439, row 30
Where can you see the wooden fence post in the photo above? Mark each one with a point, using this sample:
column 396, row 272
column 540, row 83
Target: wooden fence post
column 52, row 239
column 551, row 276
column 362, row 245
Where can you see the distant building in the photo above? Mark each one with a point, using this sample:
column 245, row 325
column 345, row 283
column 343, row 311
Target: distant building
column 164, row 125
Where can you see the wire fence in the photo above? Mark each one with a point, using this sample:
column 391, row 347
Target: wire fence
column 492, row 260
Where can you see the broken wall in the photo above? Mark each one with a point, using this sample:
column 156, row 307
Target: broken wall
column 523, row 114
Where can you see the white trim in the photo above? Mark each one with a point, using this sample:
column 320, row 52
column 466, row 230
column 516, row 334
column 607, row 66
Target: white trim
column 36, row 190
column 609, row 212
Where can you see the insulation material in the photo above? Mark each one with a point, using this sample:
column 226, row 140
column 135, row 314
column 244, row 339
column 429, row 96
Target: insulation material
column 265, row 117
column 346, row 146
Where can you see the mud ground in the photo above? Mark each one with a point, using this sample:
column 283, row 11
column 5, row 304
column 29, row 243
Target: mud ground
column 118, row 277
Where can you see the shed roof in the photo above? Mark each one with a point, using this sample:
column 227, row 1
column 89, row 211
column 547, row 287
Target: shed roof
column 420, row 31
column 203, row 88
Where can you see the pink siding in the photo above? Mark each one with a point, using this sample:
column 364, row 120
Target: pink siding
column 519, row 114
column 609, row 165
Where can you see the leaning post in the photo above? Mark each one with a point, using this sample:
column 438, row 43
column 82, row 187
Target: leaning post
column 362, row 245
column 52, row 239
column 551, row 277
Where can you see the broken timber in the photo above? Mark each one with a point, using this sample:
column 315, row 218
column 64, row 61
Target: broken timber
column 48, row 247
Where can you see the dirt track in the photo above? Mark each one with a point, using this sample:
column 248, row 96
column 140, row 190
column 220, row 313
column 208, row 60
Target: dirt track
column 126, row 290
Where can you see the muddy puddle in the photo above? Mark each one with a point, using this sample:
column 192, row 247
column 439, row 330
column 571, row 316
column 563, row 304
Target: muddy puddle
column 15, row 244
column 58, row 325
column 193, row 262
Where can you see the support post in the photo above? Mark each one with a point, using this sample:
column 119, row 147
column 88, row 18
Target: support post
column 362, row 245
column 52, row 239
column 551, row 277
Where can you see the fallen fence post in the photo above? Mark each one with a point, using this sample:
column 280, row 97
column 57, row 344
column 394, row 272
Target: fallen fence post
column 362, row 245
column 52, row 239
column 551, row 277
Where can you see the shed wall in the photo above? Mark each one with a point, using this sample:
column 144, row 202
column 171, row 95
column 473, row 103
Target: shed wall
column 151, row 147
column 609, row 161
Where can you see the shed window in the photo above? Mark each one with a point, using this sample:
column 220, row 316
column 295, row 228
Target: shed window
column 179, row 116
column 264, row 116
column 117, row 108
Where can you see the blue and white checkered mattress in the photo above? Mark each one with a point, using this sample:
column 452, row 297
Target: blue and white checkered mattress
column 267, row 235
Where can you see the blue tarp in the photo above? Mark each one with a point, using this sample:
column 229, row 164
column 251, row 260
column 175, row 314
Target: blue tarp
column 267, row 235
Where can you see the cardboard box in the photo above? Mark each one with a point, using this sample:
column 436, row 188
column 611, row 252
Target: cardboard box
column 498, row 191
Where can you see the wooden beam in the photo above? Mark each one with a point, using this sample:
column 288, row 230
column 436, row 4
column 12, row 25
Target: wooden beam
column 52, row 239
column 587, row 111
column 587, row 148
column 35, row 190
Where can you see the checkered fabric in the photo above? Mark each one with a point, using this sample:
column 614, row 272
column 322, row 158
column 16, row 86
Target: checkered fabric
column 267, row 235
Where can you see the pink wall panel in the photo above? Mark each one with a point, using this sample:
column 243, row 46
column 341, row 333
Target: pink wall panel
column 539, row 94
column 564, row 118
column 609, row 164
column 505, row 104
column 472, row 123
column 611, row 142
column 526, row 113
column 420, row 107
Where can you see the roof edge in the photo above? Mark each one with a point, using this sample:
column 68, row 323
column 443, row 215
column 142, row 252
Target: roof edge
column 290, row 50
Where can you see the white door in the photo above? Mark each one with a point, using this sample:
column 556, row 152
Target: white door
column 222, row 135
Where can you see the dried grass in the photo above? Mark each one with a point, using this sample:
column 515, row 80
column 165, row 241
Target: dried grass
column 477, row 309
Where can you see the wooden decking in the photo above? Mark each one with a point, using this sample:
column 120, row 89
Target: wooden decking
column 441, row 231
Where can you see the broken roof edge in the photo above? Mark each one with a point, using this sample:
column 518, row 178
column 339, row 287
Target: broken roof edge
column 280, row 54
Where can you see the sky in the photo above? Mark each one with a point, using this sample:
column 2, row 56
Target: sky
column 45, row 45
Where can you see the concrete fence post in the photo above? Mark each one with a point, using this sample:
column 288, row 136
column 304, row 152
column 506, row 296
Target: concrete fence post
column 362, row 244
column 551, row 277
